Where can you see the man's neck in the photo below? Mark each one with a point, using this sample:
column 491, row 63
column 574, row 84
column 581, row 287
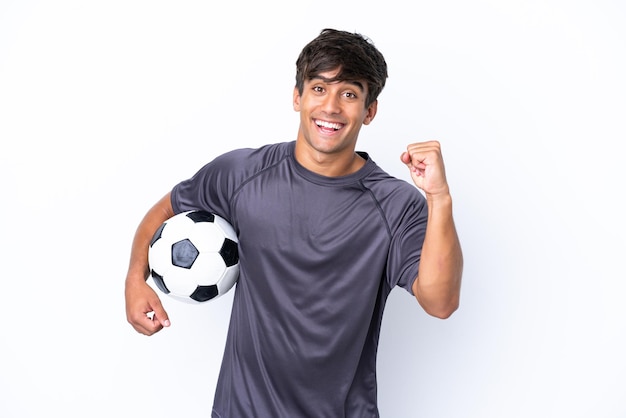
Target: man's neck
column 328, row 165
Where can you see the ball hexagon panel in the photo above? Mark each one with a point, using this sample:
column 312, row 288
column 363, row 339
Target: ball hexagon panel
column 204, row 293
column 184, row 254
column 229, row 252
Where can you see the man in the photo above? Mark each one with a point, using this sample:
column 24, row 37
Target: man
column 324, row 235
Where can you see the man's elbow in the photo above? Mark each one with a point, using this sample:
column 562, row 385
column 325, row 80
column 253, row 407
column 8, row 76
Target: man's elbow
column 442, row 310
column 443, row 313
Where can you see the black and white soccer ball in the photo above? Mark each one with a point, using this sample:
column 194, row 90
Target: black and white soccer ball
column 194, row 257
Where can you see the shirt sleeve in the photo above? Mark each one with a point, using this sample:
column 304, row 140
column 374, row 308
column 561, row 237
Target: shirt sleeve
column 211, row 188
column 406, row 244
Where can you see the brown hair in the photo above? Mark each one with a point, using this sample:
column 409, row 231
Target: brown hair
column 353, row 54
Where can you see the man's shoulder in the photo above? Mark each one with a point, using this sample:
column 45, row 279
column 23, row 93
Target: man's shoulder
column 377, row 177
column 394, row 191
column 279, row 148
column 263, row 155
column 241, row 164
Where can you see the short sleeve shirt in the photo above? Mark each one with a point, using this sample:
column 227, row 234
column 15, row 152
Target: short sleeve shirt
column 318, row 258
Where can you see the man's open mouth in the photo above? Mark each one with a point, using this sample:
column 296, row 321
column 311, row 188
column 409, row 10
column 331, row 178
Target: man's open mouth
column 335, row 126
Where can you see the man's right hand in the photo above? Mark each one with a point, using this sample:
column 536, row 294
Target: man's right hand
column 144, row 310
column 143, row 307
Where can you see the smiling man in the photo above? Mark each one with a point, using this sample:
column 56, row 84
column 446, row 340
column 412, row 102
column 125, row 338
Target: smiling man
column 324, row 234
column 331, row 115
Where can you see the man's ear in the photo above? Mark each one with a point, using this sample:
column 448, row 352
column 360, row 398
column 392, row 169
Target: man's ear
column 296, row 99
column 371, row 112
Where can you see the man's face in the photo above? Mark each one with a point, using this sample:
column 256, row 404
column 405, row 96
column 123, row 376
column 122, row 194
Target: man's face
column 332, row 113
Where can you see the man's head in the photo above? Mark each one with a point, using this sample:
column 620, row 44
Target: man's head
column 354, row 55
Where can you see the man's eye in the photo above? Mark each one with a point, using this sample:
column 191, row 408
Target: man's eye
column 318, row 89
column 350, row 95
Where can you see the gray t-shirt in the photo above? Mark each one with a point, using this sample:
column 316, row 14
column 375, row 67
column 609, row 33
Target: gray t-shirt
column 318, row 258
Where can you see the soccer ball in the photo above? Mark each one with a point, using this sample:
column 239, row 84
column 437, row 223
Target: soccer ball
column 194, row 256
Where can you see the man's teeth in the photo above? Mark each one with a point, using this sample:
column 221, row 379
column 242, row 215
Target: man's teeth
column 330, row 125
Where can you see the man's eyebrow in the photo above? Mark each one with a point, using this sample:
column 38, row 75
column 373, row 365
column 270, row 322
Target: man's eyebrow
column 356, row 83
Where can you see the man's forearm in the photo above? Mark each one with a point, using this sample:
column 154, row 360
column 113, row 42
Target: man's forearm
column 438, row 285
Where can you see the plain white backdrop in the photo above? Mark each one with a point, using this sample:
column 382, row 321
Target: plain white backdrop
column 104, row 106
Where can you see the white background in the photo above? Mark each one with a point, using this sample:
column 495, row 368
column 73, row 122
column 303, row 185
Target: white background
column 106, row 105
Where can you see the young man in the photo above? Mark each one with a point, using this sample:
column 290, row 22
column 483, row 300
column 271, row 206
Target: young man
column 324, row 235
